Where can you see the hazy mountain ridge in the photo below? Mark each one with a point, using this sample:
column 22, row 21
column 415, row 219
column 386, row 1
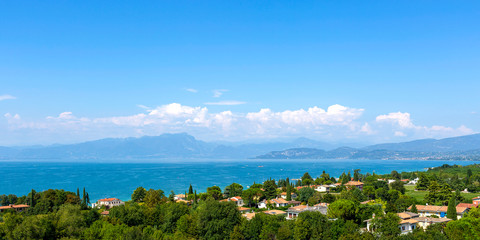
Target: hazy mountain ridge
column 179, row 145
column 183, row 145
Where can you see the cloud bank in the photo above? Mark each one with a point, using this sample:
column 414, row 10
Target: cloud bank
column 336, row 122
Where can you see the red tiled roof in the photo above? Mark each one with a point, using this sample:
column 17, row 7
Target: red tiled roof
column 235, row 199
column 353, row 183
column 105, row 213
column 466, row 205
column 430, row 208
column 14, row 206
column 108, row 199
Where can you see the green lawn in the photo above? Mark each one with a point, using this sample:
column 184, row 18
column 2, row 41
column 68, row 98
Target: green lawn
column 420, row 195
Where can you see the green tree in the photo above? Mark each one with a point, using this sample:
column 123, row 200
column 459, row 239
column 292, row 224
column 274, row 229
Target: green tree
column 398, row 185
column 423, row 182
column 356, row 175
column 190, row 190
column 139, row 194
column 414, row 208
column 69, row 221
column 395, row 175
column 251, row 196
column 215, row 192
column 387, row 226
column 233, row 190
column 452, row 210
column 329, row 198
column 289, row 192
column 270, row 189
column 153, row 197
column 171, row 197
column 307, row 179
column 305, row 193
column 342, row 208
column 216, row 220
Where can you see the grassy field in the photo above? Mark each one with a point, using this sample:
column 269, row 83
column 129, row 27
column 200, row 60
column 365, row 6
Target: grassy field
column 420, row 195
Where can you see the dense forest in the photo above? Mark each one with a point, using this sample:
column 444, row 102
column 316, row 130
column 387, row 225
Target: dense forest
column 151, row 214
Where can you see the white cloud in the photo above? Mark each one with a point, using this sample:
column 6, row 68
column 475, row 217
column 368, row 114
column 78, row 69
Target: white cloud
column 7, row 97
column 335, row 122
column 219, row 92
column 192, row 90
column 225, row 103
column 142, row 106
column 402, row 119
column 402, row 126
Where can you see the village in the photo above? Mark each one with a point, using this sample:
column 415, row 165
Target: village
column 415, row 216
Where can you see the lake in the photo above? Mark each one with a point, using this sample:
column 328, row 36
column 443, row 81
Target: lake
column 119, row 178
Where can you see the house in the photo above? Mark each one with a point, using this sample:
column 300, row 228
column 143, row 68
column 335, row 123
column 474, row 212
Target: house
column 322, row 188
column 284, row 195
column 279, row 202
column 244, row 209
column 105, row 213
column 476, row 201
column 293, row 212
column 294, row 203
column 424, row 222
column 179, row 197
column 108, row 202
column 414, row 181
column 356, row 184
column 262, row 204
column 409, row 221
column 18, row 208
column 238, row 200
column 275, row 212
column 183, row 201
column 466, row 205
column 440, row 211
column 249, row 216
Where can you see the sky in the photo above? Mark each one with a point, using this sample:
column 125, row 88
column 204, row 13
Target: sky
column 338, row 71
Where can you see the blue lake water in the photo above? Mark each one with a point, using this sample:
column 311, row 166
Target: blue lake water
column 119, row 179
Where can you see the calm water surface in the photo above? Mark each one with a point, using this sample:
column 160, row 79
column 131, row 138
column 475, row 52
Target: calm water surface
column 119, row 179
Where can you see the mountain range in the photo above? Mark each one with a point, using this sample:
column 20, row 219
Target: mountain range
column 184, row 146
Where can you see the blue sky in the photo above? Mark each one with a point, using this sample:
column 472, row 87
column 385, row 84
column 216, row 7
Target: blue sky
column 392, row 70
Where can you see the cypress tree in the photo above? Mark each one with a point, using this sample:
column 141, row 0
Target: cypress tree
column 452, row 210
column 289, row 192
column 78, row 192
column 83, row 198
column 32, row 199
column 414, row 209
column 195, row 197
column 190, row 190
column 88, row 199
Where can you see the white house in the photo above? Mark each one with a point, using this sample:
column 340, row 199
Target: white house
column 322, row 188
column 238, row 200
column 108, row 202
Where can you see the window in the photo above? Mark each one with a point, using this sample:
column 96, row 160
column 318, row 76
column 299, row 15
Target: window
column 403, row 228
